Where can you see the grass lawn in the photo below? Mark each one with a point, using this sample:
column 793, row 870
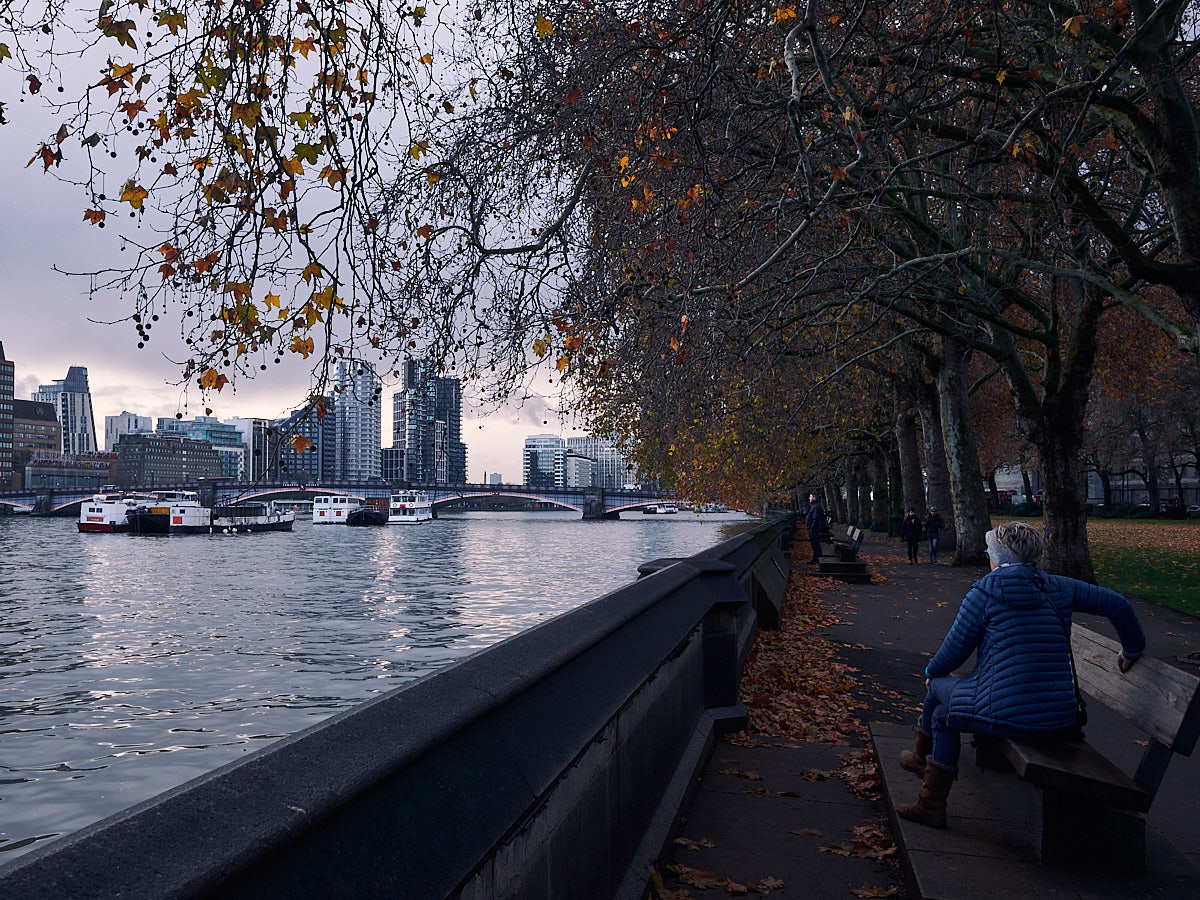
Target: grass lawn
column 1155, row 559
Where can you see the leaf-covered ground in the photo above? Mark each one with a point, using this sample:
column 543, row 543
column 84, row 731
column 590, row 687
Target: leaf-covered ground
column 1155, row 559
column 795, row 689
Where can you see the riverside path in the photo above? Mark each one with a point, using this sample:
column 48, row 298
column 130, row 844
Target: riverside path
column 788, row 827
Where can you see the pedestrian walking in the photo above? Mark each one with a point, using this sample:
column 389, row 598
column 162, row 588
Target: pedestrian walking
column 814, row 521
column 934, row 524
column 910, row 530
column 1017, row 620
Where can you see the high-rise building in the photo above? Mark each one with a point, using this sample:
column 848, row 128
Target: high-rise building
column 427, row 422
column 73, row 402
column 610, row 467
column 359, row 420
column 318, row 458
column 7, row 384
column 542, row 460
column 125, row 423
column 255, row 435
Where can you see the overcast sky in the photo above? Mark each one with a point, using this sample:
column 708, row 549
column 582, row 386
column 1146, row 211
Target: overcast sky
column 49, row 323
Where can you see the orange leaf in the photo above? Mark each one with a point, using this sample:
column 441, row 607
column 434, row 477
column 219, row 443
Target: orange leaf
column 300, row 443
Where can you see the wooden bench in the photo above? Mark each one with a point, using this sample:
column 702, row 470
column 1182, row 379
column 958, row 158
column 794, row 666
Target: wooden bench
column 1092, row 812
column 846, row 547
column 846, row 566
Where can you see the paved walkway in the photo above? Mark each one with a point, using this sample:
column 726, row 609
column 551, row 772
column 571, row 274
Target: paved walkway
column 771, row 816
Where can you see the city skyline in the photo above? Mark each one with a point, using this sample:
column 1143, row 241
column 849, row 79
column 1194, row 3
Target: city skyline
column 55, row 324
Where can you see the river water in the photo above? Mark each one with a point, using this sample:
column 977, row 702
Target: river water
column 131, row 664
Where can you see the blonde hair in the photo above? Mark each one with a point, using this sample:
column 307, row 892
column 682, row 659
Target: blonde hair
column 1025, row 541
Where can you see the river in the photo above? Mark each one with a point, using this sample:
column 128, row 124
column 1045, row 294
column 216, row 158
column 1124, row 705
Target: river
column 129, row 665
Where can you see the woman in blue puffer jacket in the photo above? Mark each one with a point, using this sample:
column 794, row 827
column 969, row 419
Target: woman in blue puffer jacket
column 1017, row 619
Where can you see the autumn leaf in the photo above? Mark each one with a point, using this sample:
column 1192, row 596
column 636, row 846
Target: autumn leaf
column 95, row 216
column 303, row 346
column 689, row 844
column 544, row 26
column 5, row 53
column 133, row 194
column 541, row 346
column 425, row 231
column 212, row 379
column 311, row 272
column 782, row 14
column 1074, row 24
column 563, row 362
column 271, row 300
column 750, row 775
column 300, row 443
column 419, row 149
column 868, row 890
column 1001, row 75
column 427, row 59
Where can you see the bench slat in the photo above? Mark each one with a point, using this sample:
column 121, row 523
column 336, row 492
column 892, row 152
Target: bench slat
column 1076, row 767
column 1159, row 699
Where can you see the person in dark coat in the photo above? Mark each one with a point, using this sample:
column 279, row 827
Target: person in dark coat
column 1017, row 620
column 933, row 525
column 814, row 521
column 910, row 530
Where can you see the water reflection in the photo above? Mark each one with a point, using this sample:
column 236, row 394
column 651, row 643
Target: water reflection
column 130, row 664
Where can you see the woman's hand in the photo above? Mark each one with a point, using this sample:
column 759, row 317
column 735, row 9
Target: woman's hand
column 1124, row 664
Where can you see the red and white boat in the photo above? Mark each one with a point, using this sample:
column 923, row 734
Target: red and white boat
column 106, row 513
column 334, row 509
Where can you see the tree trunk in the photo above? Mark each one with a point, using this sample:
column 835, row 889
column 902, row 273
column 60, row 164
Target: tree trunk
column 895, row 494
column 1027, row 484
column 1105, row 486
column 971, row 519
column 912, row 487
column 852, row 509
column 937, row 474
column 864, row 497
column 879, row 490
column 833, row 502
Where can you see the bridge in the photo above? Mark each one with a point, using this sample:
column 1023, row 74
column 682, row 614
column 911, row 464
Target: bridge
column 591, row 502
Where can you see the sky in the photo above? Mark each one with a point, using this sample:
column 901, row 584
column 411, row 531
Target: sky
column 49, row 323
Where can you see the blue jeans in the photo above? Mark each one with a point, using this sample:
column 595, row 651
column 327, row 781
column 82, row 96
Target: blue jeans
column 933, row 542
column 935, row 713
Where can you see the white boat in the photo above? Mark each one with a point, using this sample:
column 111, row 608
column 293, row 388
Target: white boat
column 660, row 509
column 409, row 508
column 334, row 509
column 170, row 512
column 106, row 513
column 241, row 518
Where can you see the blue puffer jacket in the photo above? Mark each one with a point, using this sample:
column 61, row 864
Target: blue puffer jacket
column 1022, row 678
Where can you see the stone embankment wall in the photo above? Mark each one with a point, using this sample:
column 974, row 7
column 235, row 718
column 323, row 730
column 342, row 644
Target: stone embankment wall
column 552, row 764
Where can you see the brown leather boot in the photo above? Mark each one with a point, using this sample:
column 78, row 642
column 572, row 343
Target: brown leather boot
column 930, row 808
column 914, row 760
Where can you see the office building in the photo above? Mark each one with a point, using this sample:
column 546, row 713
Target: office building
column 36, row 434
column 146, row 460
column 427, row 423
column 72, row 401
column 358, row 419
column 610, row 468
column 8, row 379
column 542, row 460
column 125, row 423
column 225, row 438
column 391, row 463
column 577, row 470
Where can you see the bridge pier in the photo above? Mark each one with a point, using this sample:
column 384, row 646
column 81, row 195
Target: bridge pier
column 593, row 505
